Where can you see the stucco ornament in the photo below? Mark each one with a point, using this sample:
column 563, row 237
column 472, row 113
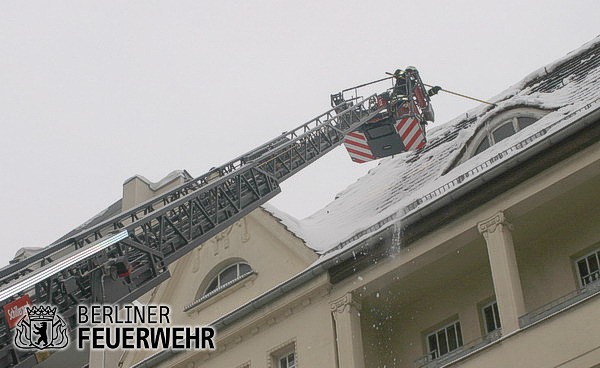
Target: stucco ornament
column 221, row 240
column 196, row 260
column 490, row 225
column 245, row 234
column 345, row 303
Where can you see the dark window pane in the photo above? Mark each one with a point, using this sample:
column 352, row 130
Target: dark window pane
column 583, row 269
column 433, row 346
column 452, row 343
column 525, row 122
column 496, row 315
column 583, row 272
column 244, row 269
column 503, row 132
column 485, row 144
column 282, row 363
column 213, row 285
column 443, row 342
column 291, row 359
column 593, row 262
column 488, row 312
column 458, row 334
column 229, row 274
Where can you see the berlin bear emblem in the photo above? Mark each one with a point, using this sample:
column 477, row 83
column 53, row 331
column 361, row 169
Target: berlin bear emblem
column 41, row 329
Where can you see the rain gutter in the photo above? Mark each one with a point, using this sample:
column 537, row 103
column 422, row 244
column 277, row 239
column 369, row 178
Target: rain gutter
column 386, row 232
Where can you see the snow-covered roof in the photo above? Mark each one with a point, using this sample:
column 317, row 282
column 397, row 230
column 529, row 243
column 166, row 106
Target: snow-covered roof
column 404, row 183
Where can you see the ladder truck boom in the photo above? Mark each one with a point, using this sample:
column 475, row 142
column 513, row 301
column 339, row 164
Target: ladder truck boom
column 123, row 257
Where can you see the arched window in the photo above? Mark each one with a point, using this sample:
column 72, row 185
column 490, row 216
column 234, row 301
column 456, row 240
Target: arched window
column 497, row 128
column 228, row 276
column 503, row 130
column 224, row 278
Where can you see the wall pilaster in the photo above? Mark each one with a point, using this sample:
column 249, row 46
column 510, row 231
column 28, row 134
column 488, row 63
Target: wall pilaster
column 346, row 315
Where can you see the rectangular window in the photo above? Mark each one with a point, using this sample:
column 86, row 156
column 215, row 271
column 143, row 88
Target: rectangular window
column 588, row 268
column 491, row 317
column 283, row 355
column 444, row 340
column 288, row 361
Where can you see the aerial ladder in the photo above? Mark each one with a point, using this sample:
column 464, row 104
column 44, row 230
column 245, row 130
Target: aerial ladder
column 122, row 258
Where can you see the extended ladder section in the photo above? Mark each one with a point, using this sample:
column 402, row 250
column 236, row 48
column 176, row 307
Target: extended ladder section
column 127, row 255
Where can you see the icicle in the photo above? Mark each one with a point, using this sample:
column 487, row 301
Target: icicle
column 397, row 230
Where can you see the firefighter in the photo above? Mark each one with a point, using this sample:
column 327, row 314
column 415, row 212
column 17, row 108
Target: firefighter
column 401, row 87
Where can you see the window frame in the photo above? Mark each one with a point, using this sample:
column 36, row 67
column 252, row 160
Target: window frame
column 585, row 257
column 495, row 315
column 203, row 299
column 434, row 354
column 491, row 131
column 485, row 131
column 515, row 128
column 220, row 286
column 277, row 353
column 287, row 356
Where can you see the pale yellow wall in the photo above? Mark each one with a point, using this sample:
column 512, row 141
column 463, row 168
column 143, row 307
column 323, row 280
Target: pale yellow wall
column 272, row 258
column 138, row 189
column 400, row 339
column 307, row 328
column 568, row 340
column 546, row 257
column 258, row 239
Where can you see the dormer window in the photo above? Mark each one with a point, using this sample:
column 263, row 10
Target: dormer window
column 501, row 127
column 502, row 131
column 496, row 129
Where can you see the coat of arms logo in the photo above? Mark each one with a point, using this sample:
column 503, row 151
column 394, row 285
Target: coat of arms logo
column 41, row 329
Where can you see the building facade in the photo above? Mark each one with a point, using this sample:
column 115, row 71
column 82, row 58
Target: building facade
column 481, row 250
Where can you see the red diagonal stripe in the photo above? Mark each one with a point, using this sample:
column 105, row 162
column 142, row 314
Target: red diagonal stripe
column 409, row 130
column 414, row 138
column 400, row 124
column 357, row 144
column 357, row 135
column 359, row 153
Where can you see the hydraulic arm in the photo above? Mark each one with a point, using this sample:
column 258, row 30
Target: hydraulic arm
column 127, row 255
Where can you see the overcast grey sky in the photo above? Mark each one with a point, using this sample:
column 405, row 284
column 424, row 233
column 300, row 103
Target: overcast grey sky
column 93, row 92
